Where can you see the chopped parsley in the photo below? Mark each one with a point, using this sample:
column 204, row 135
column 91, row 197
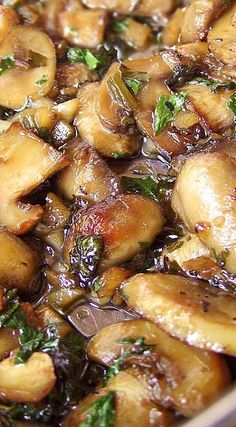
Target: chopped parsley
column 137, row 346
column 215, row 84
column 6, row 63
column 232, row 105
column 84, row 258
column 147, row 186
column 101, row 413
column 121, row 26
column 166, row 109
column 43, row 80
column 76, row 54
column 30, row 339
column 134, row 80
column 121, row 155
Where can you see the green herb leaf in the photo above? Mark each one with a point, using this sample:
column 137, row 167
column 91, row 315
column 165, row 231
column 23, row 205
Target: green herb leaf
column 144, row 246
column 6, row 63
column 120, row 155
column 29, row 341
column 85, row 256
column 145, row 185
column 166, row 109
column 133, row 80
column 232, row 105
column 137, row 346
column 215, row 85
column 43, row 80
column 135, row 85
column 101, row 413
column 76, row 54
column 121, row 26
column 45, row 134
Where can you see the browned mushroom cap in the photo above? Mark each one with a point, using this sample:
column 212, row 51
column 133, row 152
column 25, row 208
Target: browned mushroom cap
column 31, row 72
column 180, row 363
column 26, row 161
column 189, row 310
column 209, row 210
column 27, row 382
column 123, row 221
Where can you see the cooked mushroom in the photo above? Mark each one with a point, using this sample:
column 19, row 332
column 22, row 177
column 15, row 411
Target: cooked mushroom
column 19, row 264
column 31, row 63
column 91, row 130
column 26, row 162
column 181, row 366
column 186, row 309
column 198, row 18
column 8, row 20
column 209, row 210
column 221, row 37
column 122, row 221
column 132, row 403
column 28, row 382
column 88, row 176
column 83, row 27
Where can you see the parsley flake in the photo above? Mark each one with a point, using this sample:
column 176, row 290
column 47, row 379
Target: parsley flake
column 166, row 109
column 76, row 54
column 43, row 80
column 6, row 64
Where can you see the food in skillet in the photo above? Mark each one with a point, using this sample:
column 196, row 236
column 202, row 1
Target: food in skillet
column 118, row 189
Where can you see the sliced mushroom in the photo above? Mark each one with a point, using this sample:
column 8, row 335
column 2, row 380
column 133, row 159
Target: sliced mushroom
column 18, row 263
column 88, row 176
column 221, row 37
column 132, row 403
column 147, row 100
column 109, row 282
column 115, row 103
column 212, row 107
column 26, row 162
column 27, row 382
column 84, row 27
column 8, row 20
column 186, row 309
column 33, row 66
column 198, row 18
column 135, row 34
column 196, row 51
column 73, row 75
column 209, row 210
column 186, row 372
column 171, row 31
column 91, row 130
column 123, row 221
column 191, row 255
